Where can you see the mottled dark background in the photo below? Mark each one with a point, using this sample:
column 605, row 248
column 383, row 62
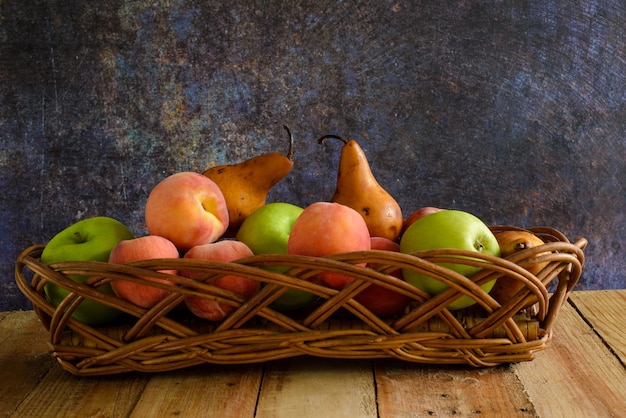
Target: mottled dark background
column 514, row 111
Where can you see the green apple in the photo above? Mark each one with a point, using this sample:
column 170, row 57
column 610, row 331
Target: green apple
column 90, row 239
column 266, row 231
column 448, row 229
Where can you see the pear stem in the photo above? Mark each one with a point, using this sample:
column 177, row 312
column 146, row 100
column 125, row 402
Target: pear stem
column 325, row 137
column 290, row 151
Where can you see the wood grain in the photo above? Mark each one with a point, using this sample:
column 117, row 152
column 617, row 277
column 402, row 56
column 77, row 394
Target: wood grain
column 410, row 390
column 39, row 387
column 24, row 357
column 316, row 387
column 212, row 390
column 61, row 394
column 577, row 375
column 606, row 320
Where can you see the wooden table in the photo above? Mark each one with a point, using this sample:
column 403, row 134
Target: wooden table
column 582, row 373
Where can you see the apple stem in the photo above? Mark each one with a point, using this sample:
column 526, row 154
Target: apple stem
column 290, row 151
column 325, row 137
column 79, row 236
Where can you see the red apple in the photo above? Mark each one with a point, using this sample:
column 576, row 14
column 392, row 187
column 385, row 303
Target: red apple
column 187, row 208
column 143, row 248
column 419, row 213
column 380, row 300
column 227, row 250
column 325, row 228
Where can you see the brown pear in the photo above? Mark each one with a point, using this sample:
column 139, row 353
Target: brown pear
column 511, row 242
column 358, row 188
column 245, row 185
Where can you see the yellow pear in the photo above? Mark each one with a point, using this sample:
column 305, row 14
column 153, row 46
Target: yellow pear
column 357, row 188
column 245, row 185
column 511, row 242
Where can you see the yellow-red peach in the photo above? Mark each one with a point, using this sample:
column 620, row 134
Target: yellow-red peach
column 187, row 208
column 143, row 248
column 325, row 228
column 226, row 250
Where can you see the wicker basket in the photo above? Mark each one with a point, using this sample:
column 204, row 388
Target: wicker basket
column 168, row 337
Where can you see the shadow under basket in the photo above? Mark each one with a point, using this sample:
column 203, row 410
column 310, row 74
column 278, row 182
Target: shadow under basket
column 168, row 336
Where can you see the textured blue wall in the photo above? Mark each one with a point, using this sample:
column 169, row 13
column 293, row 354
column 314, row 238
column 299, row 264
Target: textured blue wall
column 515, row 112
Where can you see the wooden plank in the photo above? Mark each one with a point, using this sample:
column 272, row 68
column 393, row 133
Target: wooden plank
column 63, row 394
column 604, row 309
column 207, row 391
column 24, row 357
column 40, row 387
column 316, row 387
column 576, row 375
column 417, row 390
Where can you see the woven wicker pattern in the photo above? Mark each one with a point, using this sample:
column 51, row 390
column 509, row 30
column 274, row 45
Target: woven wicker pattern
column 168, row 337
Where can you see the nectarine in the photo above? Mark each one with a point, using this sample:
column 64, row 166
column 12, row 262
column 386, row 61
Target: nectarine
column 143, row 248
column 226, row 250
column 187, row 208
column 325, row 228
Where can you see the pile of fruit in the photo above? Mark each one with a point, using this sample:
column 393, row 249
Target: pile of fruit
column 223, row 215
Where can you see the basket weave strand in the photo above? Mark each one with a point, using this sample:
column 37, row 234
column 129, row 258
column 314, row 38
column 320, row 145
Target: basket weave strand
column 168, row 337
